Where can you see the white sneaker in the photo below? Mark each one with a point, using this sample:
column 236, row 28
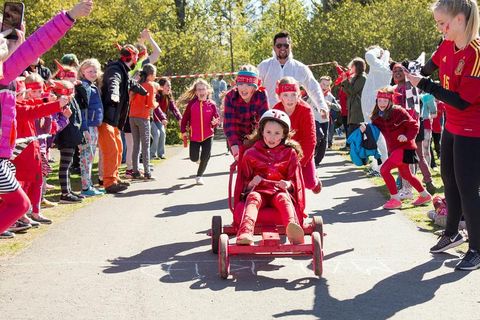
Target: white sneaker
column 199, row 181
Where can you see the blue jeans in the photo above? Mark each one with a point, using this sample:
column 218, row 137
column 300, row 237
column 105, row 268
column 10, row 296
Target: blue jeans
column 158, row 140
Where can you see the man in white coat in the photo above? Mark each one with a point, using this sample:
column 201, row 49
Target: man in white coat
column 281, row 65
column 379, row 76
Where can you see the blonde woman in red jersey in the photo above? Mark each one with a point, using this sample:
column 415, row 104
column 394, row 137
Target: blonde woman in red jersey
column 458, row 61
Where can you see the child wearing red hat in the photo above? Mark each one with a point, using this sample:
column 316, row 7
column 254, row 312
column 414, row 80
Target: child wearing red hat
column 399, row 130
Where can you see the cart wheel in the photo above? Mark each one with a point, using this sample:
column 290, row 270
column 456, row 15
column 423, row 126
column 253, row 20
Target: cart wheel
column 318, row 226
column 223, row 259
column 216, row 232
column 317, row 254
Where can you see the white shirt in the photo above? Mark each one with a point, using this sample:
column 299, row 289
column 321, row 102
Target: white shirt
column 270, row 71
column 379, row 76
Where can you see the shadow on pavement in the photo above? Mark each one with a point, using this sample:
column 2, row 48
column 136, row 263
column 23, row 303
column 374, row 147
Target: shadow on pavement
column 182, row 209
column 164, row 191
column 171, row 266
column 388, row 297
column 205, row 175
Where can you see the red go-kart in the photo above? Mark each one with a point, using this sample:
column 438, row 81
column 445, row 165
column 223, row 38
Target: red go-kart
column 273, row 240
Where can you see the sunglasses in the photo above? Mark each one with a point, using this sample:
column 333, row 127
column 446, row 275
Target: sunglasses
column 280, row 45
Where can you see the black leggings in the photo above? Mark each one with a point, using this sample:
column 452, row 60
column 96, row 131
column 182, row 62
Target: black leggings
column 321, row 130
column 206, row 146
column 460, row 167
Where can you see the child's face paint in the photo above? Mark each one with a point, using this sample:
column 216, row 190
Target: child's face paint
column 272, row 134
column 289, row 99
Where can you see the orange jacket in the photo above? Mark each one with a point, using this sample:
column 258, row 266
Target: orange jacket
column 141, row 106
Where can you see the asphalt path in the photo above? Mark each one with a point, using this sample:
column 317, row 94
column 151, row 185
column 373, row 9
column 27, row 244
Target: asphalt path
column 145, row 254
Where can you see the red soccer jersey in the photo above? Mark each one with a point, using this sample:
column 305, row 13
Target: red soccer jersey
column 459, row 71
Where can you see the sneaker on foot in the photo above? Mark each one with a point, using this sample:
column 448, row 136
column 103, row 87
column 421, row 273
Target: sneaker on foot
column 39, row 218
column 420, row 201
column 90, row 192
column 7, row 235
column 29, row 221
column 148, row 176
column 136, row 175
column 471, row 261
column 447, row 242
column 78, row 195
column 294, row 233
column 392, row 204
column 116, row 188
column 19, row 226
column 199, row 181
column 129, row 174
column 69, row 198
column 48, row 204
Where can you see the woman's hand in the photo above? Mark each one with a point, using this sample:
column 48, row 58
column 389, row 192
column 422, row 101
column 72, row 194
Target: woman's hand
column 402, row 138
column 414, row 79
column 214, row 121
column 362, row 127
column 81, row 9
column 14, row 44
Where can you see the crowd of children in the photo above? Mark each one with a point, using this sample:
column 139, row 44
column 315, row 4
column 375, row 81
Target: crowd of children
column 83, row 108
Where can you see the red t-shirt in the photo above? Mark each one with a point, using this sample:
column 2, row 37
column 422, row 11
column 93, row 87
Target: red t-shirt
column 459, row 71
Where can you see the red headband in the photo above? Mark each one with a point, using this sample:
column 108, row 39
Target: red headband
column 385, row 95
column 66, row 74
column 34, row 85
column 247, row 79
column 286, row 87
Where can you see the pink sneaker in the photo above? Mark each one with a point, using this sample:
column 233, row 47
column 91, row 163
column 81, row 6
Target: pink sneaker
column 392, row 204
column 422, row 200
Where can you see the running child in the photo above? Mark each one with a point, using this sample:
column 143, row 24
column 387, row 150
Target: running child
column 399, row 129
column 199, row 119
column 303, row 124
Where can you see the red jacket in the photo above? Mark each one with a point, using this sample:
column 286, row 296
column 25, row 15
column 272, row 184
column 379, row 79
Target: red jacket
column 303, row 123
column 28, row 163
column 279, row 163
column 198, row 116
column 400, row 122
column 439, row 120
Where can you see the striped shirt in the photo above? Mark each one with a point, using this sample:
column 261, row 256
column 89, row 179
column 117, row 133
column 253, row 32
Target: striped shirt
column 8, row 182
column 241, row 118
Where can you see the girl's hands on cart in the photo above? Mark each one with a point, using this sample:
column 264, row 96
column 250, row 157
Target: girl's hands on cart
column 255, row 182
column 284, row 185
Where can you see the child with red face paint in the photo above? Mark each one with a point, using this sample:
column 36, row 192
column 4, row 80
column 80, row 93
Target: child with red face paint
column 269, row 175
column 244, row 104
column 303, row 124
column 399, row 130
column 70, row 137
column 28, row 163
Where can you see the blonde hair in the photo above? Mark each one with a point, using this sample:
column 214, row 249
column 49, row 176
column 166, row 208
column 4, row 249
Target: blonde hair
column 468, row 8
column 90, row 63
column 33, row 77
column 289, row 80
column 190, row 93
